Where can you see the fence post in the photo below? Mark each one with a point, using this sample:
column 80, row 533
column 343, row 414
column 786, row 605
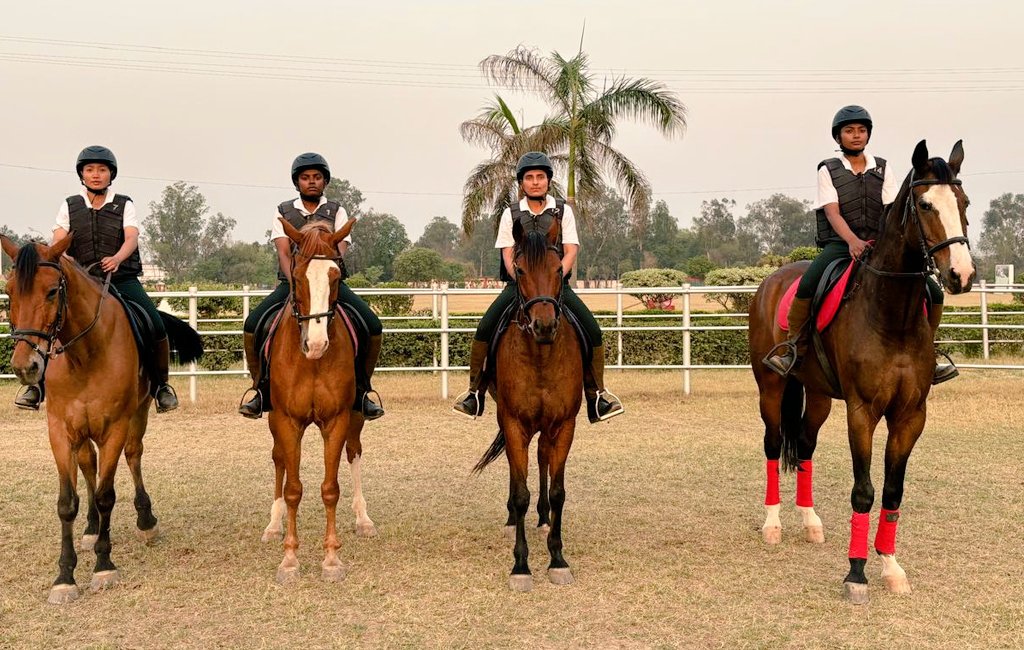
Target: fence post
column 245, row 317
column 193, row 321
column 444, row 340
column 686, row 338
column 984, row 321
column 433, row 300
column 618, row 318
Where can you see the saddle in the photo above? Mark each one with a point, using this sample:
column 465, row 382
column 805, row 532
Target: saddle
column 142, row 331
column 829, row 295
column 267, row 326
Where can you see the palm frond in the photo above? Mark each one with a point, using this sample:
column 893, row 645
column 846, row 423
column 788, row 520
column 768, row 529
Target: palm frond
column 490, row 184
column 523, row 69
column 643, row 100
column 632, row 183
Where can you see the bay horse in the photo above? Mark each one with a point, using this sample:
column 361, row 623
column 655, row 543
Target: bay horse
column 97, row 401
column 312, row 380
column 881, row 347
column 538, row 388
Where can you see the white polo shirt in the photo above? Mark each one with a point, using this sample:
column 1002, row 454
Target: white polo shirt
column 569, row 235
column 277, row 230
column 827, row 191
column 130, row 219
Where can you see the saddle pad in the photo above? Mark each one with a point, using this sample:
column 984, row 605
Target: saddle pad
column 826, row 311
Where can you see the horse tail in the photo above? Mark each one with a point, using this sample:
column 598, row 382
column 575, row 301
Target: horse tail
column 492, row 452
column 183, row 339
column 792, row 422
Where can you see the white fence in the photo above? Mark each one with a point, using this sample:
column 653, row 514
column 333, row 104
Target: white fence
column 622, row 321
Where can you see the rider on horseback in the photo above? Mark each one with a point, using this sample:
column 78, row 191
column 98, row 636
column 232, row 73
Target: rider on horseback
column 311, row 175
column 537, row 208
column 106, row 240
column 854, row 192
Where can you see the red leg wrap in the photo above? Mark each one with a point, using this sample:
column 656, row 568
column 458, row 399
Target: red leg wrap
column 860, row 526
column 885, row 536
column 771, row 495
column 804, row 481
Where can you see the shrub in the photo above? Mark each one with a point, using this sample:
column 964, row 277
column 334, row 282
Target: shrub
column 393, row 304
column 698, row 267
column 802, row 253
column 737, row 277
column 654, row 278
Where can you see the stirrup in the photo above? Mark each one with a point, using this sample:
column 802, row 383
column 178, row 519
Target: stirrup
column 379, row 403
column 479, row 404
column 245, row 402
column 951, row 371
column 610, row 398
column 775, row 361
column 23, row 400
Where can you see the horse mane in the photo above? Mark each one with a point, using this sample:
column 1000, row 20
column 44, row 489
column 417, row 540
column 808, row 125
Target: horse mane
column 534, row 247
column 312, row 239
column 25, row 266
column 941, row 169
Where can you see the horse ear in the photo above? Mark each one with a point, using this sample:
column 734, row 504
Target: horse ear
column 290, row 230
column 342, row 233
column 517, row 232
column 956, row 157
column 54, row 252
column 920, row 158
column 9, row 247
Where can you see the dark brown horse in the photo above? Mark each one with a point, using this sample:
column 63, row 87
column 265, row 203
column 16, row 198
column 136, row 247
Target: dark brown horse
column 312, row 380
column 881, row 348
column 97, row 401
column 538, row 387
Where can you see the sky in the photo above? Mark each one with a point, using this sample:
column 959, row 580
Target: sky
column 225, row 94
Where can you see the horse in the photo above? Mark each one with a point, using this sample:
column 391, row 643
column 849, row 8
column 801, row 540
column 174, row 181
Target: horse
column 312, row 380
column 881, row 347
column 537, row 387
column 97, row 402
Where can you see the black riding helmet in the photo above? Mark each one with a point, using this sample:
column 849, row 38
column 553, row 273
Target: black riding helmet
column 852, row 114
column 533, row 160
column 310, row 161
column 97, row 154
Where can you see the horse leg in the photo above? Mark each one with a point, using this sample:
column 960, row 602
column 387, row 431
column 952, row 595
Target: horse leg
column 903, row 435
column 105, row 574
column 354, row 451
column 87, row 463
column 145, row 521
column 771, row 414
column 558, row 570
column 517, row 450
column 334, row 439
column 288, row 434
column 510, row 523
column 861, row 425
column 275, row 529
column 815, row 413
column 64, row 589
column 543, row 500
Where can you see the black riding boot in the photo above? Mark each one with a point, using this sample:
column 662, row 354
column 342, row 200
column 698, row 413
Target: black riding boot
column 252, row 408
column 601, row 405
column 943, row 371
column 472, row 405
column 370, row 409
column 30, row 398
column 164, row 395
column 793, row 349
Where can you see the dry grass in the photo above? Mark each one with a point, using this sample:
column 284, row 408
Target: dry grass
column 662, row 532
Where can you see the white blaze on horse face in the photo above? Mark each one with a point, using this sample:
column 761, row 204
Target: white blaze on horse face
column 318, row 277
column 945, row 203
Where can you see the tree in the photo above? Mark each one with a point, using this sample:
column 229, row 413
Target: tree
column 239, row 263
column 20, row 240
column 478, row 248
column 343, row 192
column 715, row 225
column 440, row 235
column 419, row 265
column 377, row 240
column 605, row 237
column 217, row 233
column 779, row 224
column 669, row 245
column 580, row 130
column 176, row 228
column 1002, row 234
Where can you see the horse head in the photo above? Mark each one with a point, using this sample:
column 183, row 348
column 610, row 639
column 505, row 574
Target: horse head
column 538, row 270
column 938, row 205
column 38, row 295
column 316, row 272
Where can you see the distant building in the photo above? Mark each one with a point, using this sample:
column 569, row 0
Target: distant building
column 152, row 273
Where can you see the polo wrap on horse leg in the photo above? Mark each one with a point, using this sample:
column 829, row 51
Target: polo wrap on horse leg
column 472, row 405
column 860, row 526
column 601, row 404
column 771, row 495
column 885, row 536
column 805, row 484
column 164, row 395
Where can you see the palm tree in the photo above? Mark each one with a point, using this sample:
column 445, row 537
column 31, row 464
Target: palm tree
column 580, row 129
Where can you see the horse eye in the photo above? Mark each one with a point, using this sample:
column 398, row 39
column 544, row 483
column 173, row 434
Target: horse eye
column 925, row 205
column 52, row 293
column 519, row 271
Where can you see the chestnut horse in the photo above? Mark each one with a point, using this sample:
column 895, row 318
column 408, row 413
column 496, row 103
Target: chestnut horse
column 312, row 380
column 97, row 400
column 881, row 348
column 538, row 387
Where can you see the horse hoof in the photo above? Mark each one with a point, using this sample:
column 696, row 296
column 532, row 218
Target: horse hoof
column 543, row 530
column 510, row 533
column 898, row 584
column 856, row 593
column 333, row 573
column 147, row 537
column 89, row 542
column 62, row 594
column 814, row 534
column 270, row 535
column 366, row 530
column 561, row 576
column 521, row 583
column 772, row 534
column 104, row 580
column 287, row 575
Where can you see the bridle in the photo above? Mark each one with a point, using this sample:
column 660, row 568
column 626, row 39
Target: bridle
column 525, row 305
column 329, row 314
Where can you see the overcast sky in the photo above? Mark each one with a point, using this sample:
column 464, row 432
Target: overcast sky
column 224, row 94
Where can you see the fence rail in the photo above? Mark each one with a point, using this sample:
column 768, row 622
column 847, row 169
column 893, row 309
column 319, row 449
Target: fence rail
column 623, row 322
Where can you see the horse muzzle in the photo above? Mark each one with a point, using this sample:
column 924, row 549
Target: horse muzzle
column 956, row 282
column 29, row 369
column 544, row 330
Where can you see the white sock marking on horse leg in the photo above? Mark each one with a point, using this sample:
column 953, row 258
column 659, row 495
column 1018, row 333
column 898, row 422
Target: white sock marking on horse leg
column 771, row 531
column 276, row 525
column 894, row 575
column 363, row 520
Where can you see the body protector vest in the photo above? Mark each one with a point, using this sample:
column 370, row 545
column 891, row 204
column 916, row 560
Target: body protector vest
column 326, row 213
column 860, row 201
column 540, row 222
column 100, row 233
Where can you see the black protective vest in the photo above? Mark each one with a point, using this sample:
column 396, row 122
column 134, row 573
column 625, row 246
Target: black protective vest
column 860, row 201
column 327, row 213
column 100, row 233
column 540, row 222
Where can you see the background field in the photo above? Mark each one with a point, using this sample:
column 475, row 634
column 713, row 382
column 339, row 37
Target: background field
column 663, row 516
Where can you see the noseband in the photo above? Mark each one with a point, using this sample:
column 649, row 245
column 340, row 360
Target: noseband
column 525, row 305
column 329, row 314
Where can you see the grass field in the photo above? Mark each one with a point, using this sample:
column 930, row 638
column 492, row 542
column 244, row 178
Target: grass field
column 662, row 531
